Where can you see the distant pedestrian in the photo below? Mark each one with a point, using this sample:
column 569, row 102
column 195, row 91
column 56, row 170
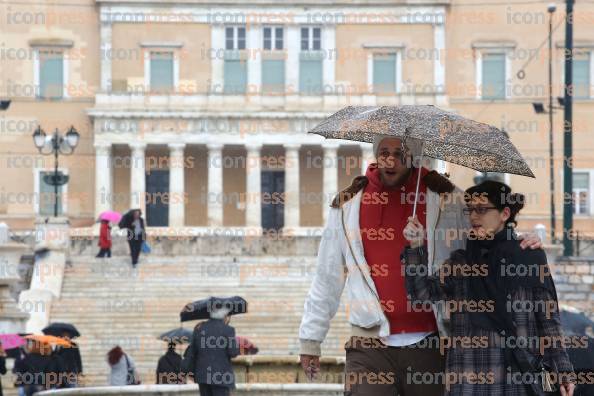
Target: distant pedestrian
column 20, row 355
column 72, row 362
column 211, row 350
column 134, row 223
column 2, row 365
column 169, row 367
column 39, row 369
column 123, row 369
column 104, row 239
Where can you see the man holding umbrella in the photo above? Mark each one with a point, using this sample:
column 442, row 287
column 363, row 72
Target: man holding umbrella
column 391, row 343
column 70, row 355
column 213, row 344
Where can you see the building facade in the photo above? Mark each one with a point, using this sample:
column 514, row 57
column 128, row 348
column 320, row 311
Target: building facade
column 198, row 112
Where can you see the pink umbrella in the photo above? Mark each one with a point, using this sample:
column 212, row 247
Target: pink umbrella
column 110, row 215
column 10, row 341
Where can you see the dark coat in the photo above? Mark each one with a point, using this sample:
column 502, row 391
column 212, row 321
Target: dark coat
column 169, row 368
column 2, row 370
column 71, row 358
column 127, row 222
column 212, row 348
column 34, row 369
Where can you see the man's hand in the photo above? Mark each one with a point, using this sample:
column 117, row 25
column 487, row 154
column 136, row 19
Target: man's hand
column 530, row 240
column 310, row 365
column 567, row 389
column 414, row 232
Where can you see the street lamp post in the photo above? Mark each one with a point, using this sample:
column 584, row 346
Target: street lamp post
column 551, row 9
column 56, row 145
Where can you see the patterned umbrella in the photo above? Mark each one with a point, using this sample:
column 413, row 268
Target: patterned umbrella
column 445, row 135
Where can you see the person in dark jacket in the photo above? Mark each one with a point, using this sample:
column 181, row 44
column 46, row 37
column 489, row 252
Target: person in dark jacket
column 72, row 362
column 134, row 223
column 2, row 365
column 212, row 348
column 104, row 240
column 169, row 367
column 500, row 297
column 39, row 369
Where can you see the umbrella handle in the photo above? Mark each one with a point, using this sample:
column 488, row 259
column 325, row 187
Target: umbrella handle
column 418, row 182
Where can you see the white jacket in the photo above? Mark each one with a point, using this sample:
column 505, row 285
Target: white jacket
column 338, row 268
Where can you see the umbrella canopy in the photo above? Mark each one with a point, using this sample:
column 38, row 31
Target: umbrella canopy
column 201, row 309
column 445, row 135
column 10, row 341
column 111, row 216
column 58, row 329
column 49, row 339
column 177, row 336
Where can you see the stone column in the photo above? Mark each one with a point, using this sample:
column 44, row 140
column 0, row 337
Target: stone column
column 367, row 157
column 291, row 185
column 330, row 176
column 176, row 185
column 137, row 177
column 253, row 209
column 215, row 184
column 103, row 178
column 106, row 56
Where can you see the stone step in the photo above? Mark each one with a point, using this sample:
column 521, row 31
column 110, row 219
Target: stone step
column 111, row 303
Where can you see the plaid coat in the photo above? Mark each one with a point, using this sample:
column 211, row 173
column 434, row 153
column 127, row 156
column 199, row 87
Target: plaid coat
column 476, row 363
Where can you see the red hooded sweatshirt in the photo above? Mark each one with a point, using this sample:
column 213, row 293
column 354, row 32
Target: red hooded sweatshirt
column 383, row 216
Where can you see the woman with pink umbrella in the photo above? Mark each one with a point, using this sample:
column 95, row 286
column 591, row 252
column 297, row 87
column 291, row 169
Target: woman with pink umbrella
column 105, row 232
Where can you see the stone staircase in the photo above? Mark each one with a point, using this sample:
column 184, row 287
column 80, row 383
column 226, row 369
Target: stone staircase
column 113, row 304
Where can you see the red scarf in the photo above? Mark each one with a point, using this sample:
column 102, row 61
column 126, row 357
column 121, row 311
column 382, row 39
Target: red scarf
column 383, row 216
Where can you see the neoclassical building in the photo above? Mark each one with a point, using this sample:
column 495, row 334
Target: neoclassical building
column 198, row 112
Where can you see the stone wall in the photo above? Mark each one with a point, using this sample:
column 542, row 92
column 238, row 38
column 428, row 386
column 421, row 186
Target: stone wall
column 170, row 390
column 574, row 280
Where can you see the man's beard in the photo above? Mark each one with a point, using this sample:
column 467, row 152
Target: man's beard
column 399, row 181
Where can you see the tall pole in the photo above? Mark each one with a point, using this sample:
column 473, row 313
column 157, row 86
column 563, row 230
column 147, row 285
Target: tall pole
column 56, row 149
column 567, row 134
column 551, row 160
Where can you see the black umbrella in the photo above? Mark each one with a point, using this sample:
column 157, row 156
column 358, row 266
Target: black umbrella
column 58, row 329
column 201, row 309
column 575, row 322
column 177, row 336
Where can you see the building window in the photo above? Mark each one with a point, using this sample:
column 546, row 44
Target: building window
column 47, row 195
column 162, row 74
column 384, row 73
column 234, row 73
column 581, row 75
column 493, row 75
column 273, row 38
column 581, row 193
column 51, row 74
column 235, row 66
column 235, row 38
column 310, row 62
column 273, row 75
column 311, row 38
